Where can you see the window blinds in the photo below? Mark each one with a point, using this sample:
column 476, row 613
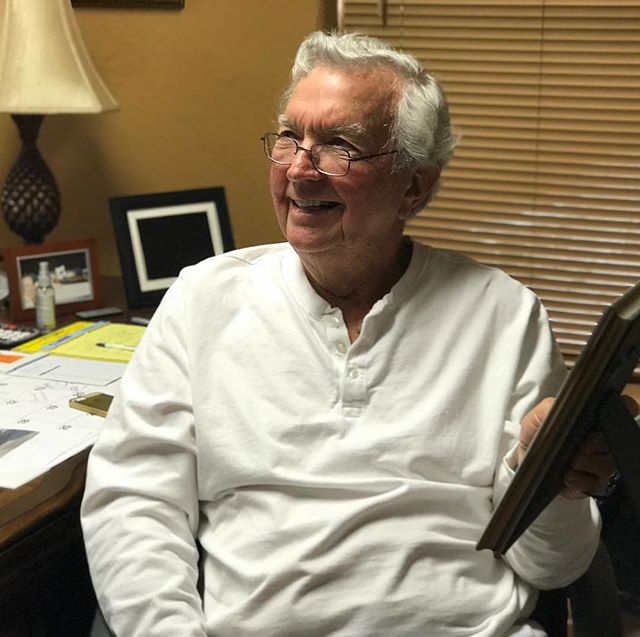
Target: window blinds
column 545, row 184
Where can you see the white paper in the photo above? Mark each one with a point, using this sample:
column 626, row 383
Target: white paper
column 20, row 359
column 38, row 429
column 70, row 370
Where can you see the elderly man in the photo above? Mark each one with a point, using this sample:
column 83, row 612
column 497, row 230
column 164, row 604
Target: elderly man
column 322, row 428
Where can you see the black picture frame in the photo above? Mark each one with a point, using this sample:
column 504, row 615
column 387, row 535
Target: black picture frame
column 158, row 234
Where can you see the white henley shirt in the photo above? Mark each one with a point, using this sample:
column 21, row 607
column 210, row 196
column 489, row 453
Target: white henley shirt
column 334, row 488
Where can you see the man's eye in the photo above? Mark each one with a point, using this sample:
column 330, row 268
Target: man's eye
column 336, row 150
column 341, row 143
column 288, row 133
column 344, row 146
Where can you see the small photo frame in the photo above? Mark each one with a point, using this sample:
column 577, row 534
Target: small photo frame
column 73, row 266
column 159, row 234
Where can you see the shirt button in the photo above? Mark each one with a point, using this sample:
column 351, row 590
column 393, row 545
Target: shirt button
column 341, row 347
column 354, row 373
column 335, row 320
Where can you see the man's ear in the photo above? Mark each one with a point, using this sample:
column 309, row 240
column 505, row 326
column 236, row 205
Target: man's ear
column 421, row 190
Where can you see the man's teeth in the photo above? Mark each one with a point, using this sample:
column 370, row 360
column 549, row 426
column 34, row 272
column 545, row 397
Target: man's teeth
column 314, row 204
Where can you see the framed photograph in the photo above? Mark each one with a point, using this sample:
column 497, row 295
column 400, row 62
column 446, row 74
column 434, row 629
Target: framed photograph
column 74, row 273
column 130, row 4
column 159, row 234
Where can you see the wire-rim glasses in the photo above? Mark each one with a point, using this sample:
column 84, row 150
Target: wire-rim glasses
column 326, row 159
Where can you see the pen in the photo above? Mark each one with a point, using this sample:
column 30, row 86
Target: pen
column 128, row 348
column 139, row 320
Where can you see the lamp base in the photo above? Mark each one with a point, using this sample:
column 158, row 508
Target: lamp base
column 30, row 197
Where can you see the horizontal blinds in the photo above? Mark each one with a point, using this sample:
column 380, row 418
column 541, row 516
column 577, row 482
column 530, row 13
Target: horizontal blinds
column 545, row 184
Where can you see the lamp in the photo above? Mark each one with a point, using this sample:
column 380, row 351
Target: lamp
column 44, row 69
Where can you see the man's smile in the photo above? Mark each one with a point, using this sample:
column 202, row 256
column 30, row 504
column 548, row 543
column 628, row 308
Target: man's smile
column 314, row 205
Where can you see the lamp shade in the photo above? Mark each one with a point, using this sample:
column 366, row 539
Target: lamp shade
column 44, row 65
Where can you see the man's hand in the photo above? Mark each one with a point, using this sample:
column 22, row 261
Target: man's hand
column 591, row 467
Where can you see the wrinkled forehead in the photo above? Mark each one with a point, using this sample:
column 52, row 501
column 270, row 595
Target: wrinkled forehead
column 358, row 103
column 352, row 130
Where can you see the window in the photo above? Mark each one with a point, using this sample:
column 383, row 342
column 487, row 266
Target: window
column 545, row 184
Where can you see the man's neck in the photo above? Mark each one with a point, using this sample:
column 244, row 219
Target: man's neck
column 355, row 287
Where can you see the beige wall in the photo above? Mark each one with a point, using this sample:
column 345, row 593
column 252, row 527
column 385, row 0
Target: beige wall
column 196, row 88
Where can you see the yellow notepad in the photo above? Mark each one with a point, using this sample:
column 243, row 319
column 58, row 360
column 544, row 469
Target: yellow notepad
column 91, row 344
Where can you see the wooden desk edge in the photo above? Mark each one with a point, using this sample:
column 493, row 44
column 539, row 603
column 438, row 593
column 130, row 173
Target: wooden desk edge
column 23, row 508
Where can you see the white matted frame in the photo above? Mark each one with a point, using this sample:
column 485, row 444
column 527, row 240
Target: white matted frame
column 159, row 234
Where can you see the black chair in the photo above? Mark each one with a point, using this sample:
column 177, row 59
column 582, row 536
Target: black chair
column 621, row 536
column 594, row 601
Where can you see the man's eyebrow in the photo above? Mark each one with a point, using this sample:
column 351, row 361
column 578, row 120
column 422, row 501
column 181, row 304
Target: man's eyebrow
column 354, row 129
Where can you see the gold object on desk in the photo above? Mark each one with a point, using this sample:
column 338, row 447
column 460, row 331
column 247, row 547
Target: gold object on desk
column 95, row 403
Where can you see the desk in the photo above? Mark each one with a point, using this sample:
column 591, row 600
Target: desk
column 45, row 588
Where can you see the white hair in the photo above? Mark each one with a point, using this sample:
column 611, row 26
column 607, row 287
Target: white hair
column 421, row 129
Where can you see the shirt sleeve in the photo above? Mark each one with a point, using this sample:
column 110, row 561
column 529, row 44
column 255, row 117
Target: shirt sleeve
column 558, row 547
column 140, row 508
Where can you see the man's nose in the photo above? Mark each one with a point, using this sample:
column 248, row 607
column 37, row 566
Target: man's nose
column 302, row 167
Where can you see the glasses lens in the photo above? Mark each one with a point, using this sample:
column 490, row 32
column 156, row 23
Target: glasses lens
column 330, row 160
column 279, row 149
column 327, row 159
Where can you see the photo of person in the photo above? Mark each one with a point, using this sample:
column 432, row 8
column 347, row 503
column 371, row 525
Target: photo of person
column 28, row 290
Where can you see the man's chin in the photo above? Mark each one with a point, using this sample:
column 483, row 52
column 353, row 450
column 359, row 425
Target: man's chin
column 307, row 241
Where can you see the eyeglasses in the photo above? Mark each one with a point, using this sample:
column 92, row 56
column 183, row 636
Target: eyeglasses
column 326, row 159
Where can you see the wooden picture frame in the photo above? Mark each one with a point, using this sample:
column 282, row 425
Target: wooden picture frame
column 74, row 272
column 159, row 234
column 130, row 4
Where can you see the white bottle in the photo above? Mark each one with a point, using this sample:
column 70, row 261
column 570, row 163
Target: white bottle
column 45, row 300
